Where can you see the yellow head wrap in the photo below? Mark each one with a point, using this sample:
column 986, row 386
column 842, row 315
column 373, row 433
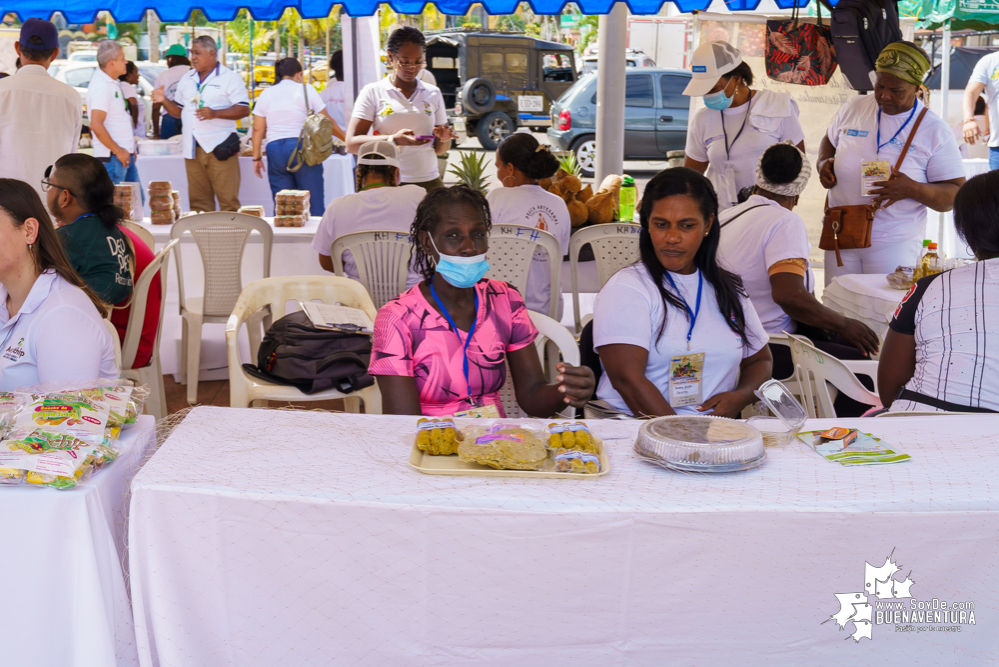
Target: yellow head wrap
column 904, row 61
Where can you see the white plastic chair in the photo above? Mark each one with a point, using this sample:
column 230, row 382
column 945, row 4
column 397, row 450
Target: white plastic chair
column 382, row 259
column 615, row 246
column 142, row 233
column 511, row 250
column 816, row 370
column 274, row 294
column 221, row 239
column 151, row 374
column 565, row 346
column 117, row 345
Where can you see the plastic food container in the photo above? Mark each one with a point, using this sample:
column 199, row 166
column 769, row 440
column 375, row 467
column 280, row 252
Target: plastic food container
column 782, row 404
column 700, row 443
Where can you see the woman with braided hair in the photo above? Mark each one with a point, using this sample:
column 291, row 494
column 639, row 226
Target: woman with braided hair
column 441, row 347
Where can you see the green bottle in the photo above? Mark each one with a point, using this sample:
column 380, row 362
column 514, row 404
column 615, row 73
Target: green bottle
column 627, row 198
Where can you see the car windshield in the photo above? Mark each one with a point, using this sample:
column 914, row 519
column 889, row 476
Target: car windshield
column 266, row 62
column 80, row 77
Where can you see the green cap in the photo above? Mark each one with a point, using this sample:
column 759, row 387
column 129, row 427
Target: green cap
column 926, row 243
column 176, row 50
column 627, row 180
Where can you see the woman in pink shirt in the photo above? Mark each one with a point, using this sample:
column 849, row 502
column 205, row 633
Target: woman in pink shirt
column 440, row 347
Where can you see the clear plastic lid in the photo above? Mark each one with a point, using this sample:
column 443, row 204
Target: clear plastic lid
column 782, row 404
column 700, row 443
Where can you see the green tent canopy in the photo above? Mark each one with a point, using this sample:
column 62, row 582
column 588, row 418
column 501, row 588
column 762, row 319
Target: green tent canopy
column 963, row 14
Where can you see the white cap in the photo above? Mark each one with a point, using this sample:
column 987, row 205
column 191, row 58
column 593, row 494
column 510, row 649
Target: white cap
column 711, row 62
column 386, row 150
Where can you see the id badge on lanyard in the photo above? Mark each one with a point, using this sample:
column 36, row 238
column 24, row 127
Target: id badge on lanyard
column 685, row 379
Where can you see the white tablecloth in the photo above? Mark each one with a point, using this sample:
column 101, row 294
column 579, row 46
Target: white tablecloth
column 950, row 244
column 270, row 537
column 65, row 596
column 864, row 297
column 338, row 172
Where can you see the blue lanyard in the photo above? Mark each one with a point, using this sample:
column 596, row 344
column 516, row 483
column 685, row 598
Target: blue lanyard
column 882, row 145
column 471, row 331
column 691, row 313
column 85, row 215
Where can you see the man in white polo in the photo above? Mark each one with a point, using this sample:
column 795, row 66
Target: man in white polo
column 209, row 100
column 40, row 118
column 110, row 121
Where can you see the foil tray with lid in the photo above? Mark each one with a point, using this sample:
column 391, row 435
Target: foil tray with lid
column 700, row 443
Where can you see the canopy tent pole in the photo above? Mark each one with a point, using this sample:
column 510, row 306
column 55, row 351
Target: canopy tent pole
column 612, row 40
column 944, row 104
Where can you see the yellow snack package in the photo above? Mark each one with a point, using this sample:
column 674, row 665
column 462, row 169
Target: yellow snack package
column 437, row 437
column 574, row 436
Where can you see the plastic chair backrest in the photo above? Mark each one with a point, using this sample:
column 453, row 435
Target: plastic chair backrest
column 221, row 239
column 117, row 344
column 615, row 246
column 142, row 233
column 815, row 370
column 276, row 292
column 511, row 250
column 140, row 295
column 548, row 330
column 382, row 259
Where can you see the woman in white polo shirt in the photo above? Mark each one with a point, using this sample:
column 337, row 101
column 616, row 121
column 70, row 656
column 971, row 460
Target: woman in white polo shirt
column 675, row 331
column 44, row 305
column 380, row 204
column 405, row 110
column 764, row 242
column 728, row 136
column 874, row 129
column 278, row 117
column 520, row 162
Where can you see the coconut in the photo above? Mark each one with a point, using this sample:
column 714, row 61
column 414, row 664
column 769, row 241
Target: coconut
column 560, row 174
column 555, row 190
column 567, row 195
column 585, row 194
column 600, row 208
column 578, row 213
column 545, row 183
column 571, row 183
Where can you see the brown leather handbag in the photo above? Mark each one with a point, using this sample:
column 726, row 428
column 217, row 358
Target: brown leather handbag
column 849, row 227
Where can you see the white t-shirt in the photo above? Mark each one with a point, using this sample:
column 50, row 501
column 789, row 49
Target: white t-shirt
column 384, row 208
column 773, row 118
column 389, row 111
column 105, row 94
column 130, row 92
column 950, row 315
column 57, row 335
column 335, row 100
column 168, row 80
column 532, row 206
column 987, row 71
column 756, row 240
column 221, row 89
column 933, row 156
column 283, row 105
column 629, row 310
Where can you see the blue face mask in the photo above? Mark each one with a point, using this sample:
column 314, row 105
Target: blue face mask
column 461, row 272
column 719, row 101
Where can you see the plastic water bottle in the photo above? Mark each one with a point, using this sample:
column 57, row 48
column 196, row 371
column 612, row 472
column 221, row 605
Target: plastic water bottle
column 932, row 262
column 627, row 198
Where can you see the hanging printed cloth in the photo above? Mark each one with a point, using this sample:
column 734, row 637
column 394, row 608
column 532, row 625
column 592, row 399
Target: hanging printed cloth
column 799, row 52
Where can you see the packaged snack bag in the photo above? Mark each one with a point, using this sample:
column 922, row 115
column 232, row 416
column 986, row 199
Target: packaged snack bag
column 437, row 437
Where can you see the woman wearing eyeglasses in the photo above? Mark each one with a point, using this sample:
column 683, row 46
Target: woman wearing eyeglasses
column 405, row 110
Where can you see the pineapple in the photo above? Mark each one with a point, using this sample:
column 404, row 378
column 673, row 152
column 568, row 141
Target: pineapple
column 569, row 164
column 471, row 171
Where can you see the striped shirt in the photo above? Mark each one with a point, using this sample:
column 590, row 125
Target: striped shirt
column 950, row 315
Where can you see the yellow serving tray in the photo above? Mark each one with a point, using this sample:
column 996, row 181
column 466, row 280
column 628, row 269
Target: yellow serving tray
column 450, row 465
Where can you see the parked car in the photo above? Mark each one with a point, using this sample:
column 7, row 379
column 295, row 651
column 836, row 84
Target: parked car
column 633, row 59
column 655, row 113
column 79, row 74
column 495, row 83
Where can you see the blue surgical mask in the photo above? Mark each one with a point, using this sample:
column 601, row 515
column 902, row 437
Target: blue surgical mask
column 718, row 101
column 461, row 272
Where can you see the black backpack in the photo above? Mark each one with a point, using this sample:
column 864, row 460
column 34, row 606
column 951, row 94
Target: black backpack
column 294, row 352
column 860, row 30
